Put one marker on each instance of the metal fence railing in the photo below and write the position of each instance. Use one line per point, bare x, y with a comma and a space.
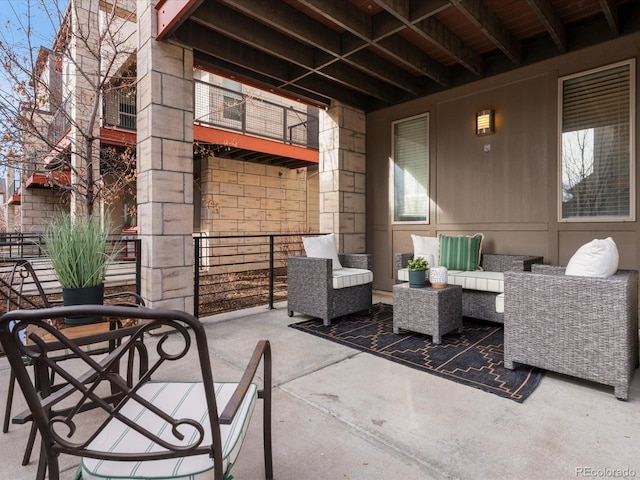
241, 271
230, 272
123, 272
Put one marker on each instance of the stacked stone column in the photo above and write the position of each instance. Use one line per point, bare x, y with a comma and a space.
165, 166
342, 176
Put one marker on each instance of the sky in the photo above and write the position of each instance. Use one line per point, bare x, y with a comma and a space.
17, 15
15, 18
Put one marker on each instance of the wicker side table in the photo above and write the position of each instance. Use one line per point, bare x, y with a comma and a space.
431, 311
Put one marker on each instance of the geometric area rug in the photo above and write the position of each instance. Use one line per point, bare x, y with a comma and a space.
473, 357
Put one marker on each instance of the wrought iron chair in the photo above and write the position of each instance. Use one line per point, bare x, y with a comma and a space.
125, 425
21, 288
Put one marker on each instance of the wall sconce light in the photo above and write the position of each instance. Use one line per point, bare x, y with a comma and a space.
484, 122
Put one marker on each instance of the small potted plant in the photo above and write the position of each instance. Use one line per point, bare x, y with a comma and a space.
77, 248
417, 267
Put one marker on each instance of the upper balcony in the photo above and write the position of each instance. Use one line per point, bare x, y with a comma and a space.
228, 123
242, 126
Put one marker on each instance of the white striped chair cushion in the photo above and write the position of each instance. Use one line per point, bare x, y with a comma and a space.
350, 277
478, 280
180, 400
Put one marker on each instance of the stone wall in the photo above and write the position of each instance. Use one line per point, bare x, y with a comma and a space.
37, 208
250, 198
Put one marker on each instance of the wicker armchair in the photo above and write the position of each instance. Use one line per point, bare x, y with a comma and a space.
310, 287
580, 326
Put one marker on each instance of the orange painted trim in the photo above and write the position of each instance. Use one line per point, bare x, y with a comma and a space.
44, 179
171, 12
15, 200
238, 140
118, 137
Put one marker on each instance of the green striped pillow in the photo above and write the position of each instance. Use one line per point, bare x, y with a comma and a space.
462, 252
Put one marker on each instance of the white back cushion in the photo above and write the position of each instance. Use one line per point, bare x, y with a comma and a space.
598, 258
426, 247
323, 246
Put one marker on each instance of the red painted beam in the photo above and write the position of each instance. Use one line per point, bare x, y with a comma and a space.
238, 140
118, 137
171, 13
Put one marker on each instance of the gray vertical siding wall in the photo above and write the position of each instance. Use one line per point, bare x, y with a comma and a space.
510, 193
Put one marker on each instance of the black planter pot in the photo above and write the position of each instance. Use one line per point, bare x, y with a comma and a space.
83, 296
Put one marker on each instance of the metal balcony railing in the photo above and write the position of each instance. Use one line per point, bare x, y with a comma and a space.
119, 109
220, 107
59, 124
14, 188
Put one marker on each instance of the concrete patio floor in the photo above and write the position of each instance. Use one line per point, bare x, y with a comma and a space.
339, 414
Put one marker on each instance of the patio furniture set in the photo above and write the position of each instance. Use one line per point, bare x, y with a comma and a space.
580, 320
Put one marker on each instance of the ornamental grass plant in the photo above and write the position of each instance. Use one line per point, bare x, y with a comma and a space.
77, 247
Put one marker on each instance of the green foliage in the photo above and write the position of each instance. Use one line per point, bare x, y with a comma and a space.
417, 264
77, 247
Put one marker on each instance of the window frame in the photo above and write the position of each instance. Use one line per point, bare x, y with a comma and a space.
631, 217
392, 163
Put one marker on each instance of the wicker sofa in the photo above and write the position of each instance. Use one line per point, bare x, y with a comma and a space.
481, 303
585, 327
312, 286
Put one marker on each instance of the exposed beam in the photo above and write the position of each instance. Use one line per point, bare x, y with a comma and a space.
549, 18
284, 19
270, 42
443, 38
359, 24
435, 32
490, 24
610, 11
400, 49
173, 13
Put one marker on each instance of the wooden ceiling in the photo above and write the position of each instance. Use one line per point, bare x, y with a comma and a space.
374, 53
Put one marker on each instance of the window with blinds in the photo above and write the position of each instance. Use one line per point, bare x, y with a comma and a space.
410, 164
596, 145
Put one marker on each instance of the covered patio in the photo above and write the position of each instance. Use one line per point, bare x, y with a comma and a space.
342, 414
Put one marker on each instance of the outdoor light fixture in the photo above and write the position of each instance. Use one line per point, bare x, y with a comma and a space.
484, 123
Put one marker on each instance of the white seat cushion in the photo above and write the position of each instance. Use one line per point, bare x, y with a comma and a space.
350, 277
180, 400
500, 303
478, 280
403, 275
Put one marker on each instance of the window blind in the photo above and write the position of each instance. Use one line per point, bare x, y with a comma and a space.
410, 169
596, 156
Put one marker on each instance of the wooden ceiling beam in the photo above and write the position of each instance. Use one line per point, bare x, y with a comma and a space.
274, 44
487, 21
549, 18
284, 19
435, 32
610, 11
359, 24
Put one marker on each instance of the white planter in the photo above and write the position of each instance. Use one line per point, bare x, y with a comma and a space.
438, 277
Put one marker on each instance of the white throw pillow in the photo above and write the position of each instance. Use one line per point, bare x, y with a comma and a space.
598, 258
426, 247
323, 246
